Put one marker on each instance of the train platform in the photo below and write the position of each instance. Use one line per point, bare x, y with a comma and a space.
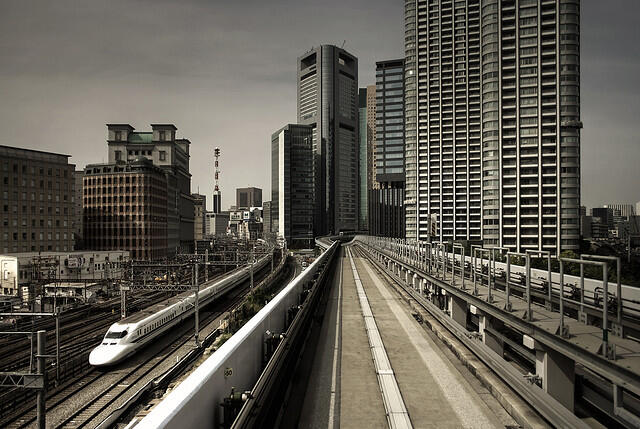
376, 366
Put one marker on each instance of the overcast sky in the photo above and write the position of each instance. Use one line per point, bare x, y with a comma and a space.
224, 73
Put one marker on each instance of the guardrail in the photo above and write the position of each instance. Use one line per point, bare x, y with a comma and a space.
168, 376
236, 365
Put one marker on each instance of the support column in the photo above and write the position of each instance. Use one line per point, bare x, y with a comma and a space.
558, 375
458, 309
488, 326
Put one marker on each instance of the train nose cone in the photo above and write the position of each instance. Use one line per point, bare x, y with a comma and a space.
106, 355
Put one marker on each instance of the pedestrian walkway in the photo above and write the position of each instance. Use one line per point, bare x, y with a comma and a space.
349, 387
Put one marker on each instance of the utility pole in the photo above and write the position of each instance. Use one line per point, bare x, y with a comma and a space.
41, 368
197, 292
251, 268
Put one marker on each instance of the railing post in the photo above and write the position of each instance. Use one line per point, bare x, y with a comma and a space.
605, 312
507, 288
528, 280
561, 297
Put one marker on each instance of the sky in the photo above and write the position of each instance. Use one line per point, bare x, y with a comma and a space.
224, 72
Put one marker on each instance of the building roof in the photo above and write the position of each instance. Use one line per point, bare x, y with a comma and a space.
11, 148
115, 126
171, 126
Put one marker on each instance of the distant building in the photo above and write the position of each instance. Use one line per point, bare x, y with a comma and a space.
37, 201
386, 203
171, 154
199, 209
246, 224
216, 224
328, 102
78, 242
248, 197
292, 190
599, 228
125, 208
624, 210
605, 215
217, 202
22, 272
267, 228
77, 265
586, 225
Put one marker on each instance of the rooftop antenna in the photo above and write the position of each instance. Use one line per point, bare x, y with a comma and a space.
216, 154
343, 43
217, 198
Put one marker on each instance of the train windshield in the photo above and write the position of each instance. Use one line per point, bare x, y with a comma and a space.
115, 334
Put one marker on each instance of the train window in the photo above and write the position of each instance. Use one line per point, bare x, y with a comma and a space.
116, 334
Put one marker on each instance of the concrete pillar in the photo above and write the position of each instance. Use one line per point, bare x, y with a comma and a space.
558, 375
407, 276
415, 281
458, 309
488, 326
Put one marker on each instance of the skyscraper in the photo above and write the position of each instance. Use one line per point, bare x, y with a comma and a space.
292, 202
386, 206
443, 118
498, 85
327, 101
364, 150
371, 137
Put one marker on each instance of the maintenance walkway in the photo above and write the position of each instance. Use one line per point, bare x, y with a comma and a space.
376, 366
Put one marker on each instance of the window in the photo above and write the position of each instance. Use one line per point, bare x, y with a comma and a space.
118, 155
163, 136
163, 155
118, 136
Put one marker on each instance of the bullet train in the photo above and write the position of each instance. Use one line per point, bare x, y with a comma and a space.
128, 335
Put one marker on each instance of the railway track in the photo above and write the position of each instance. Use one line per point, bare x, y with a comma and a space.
120, 380
74, 350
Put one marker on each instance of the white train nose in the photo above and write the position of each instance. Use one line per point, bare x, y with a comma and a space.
108, 355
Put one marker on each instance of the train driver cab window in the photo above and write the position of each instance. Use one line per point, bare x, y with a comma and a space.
116, 334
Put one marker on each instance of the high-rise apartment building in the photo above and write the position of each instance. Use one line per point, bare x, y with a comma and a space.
171, 154
248, 197
363, 159
125, 207
386, 206
443, 149
37, 207
497, 83
292, 187
328, 102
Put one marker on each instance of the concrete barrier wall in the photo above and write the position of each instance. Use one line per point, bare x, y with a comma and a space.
195, 403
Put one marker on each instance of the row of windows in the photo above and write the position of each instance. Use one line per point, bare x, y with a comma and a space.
32, 170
